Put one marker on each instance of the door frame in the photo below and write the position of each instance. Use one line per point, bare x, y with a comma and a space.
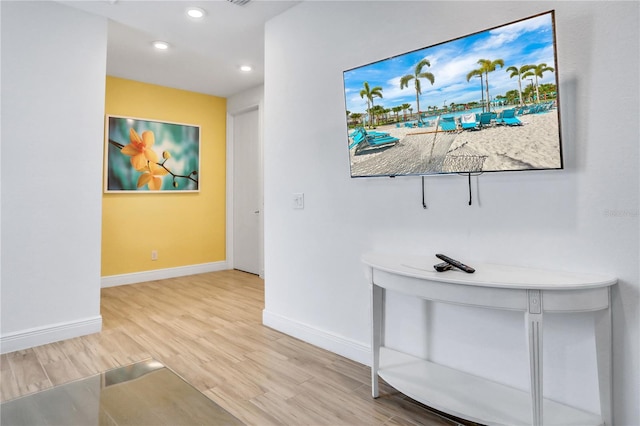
229, 247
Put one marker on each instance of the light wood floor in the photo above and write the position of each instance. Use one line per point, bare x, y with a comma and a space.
208, 329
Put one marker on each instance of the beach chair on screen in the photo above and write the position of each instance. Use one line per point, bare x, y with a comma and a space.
372, 133
485, 119
382, 141
376, 135
359, 135
545, 107
509, 118
370, 144
532, 109
361, 138
469, 122
356, 138
447, 124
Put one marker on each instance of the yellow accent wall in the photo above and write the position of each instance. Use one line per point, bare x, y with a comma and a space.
185, 228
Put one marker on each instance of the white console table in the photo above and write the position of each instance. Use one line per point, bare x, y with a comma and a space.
531, 291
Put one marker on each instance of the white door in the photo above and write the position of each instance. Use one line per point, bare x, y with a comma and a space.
247, 194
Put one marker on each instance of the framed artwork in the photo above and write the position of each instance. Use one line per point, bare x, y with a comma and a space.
150, 156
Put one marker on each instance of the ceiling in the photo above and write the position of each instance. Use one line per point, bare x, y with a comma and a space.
204, 55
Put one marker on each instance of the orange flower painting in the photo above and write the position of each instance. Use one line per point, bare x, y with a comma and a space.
151, 156
140, 149
152, 177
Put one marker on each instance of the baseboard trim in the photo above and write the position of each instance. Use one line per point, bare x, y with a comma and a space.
52, 333
162, 274
337, 344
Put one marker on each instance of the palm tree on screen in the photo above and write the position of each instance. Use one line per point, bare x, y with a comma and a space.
416, 76
519, 72
355, 116
405, 107
376, 111
537, 71
397, 109
478, 73
370, 93
486, 66
547, 89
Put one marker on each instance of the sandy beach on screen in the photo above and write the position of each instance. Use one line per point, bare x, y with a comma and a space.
533, 145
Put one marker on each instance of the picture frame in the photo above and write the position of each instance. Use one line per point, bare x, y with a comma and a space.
150, 156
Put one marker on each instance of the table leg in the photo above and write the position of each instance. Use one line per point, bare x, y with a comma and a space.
533, 319
604, 346
376, 329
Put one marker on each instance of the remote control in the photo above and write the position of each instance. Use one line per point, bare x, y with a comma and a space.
455, 263
444, 266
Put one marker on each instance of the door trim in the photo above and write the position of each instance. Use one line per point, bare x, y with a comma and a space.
229, 246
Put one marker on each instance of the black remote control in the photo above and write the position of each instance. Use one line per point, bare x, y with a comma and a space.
444, 266
455, 263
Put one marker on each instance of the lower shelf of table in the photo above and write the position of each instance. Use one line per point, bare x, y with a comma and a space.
471, 397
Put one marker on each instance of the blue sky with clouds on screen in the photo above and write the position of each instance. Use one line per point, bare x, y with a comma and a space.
525, 42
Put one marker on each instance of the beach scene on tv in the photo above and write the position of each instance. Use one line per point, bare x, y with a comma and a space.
483, 102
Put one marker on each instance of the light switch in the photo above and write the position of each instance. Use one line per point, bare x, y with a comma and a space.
298, 200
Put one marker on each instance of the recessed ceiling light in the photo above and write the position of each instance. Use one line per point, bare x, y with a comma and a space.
161, 45
196, 12
245, 68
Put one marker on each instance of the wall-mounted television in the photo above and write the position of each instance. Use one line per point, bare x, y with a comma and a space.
483, 102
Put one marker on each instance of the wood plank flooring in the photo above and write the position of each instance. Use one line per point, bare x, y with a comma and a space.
208, 329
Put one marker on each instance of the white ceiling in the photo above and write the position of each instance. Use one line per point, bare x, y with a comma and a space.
205, 55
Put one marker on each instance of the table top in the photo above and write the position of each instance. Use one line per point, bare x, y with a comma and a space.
486, 275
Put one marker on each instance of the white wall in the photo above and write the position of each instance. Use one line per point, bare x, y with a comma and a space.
53, 82
583, 218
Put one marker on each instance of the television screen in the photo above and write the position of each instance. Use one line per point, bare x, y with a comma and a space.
484, 102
